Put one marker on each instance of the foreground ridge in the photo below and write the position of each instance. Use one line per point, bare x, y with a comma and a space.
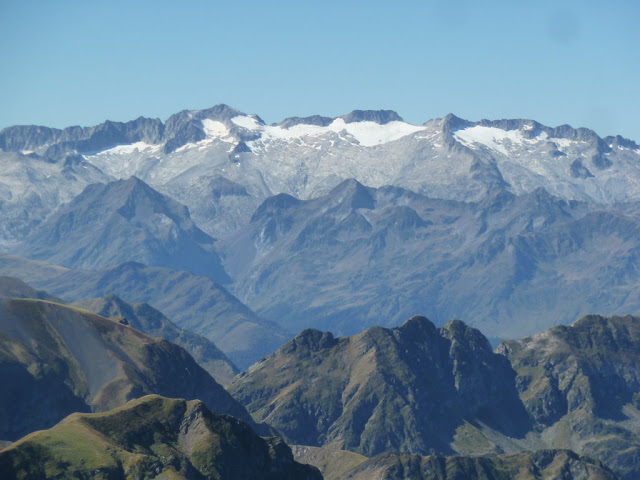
149, 437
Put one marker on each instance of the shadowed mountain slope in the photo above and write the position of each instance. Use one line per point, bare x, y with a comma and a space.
55, 360
580, 385
152, 437
420, 389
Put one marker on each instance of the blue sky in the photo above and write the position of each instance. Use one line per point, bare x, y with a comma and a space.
81, 62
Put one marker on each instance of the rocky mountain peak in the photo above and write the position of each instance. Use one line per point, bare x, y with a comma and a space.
344, 392
317, 120
274, 205
165, 234
187, 126
353, 194
220, 112
307, 341
458, 331
451, 123
381, 117
417, 326
618, 141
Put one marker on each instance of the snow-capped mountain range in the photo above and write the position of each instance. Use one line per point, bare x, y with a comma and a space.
222, 163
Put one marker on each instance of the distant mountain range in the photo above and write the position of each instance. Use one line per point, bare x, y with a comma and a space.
222, 163
511, 265
125, 220
332, 223
214, 243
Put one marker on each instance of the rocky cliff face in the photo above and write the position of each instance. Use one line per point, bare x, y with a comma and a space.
405, 389
55, 360
580, 385
152, 437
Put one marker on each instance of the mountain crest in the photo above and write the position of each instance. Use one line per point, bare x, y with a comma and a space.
309, 340
344, 393
418, 324
381, 117
317, 120
353, 194
274, 205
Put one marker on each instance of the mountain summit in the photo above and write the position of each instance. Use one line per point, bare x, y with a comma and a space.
404, 389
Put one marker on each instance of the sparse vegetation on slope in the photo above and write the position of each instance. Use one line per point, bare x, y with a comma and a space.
404, 389
580, 385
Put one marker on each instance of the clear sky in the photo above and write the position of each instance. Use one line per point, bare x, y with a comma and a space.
81, 62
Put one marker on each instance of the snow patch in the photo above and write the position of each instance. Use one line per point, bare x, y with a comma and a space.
563, 142
492, 137
245, 121
368, 134
201, 145
134, 147
619, 147
214, 129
